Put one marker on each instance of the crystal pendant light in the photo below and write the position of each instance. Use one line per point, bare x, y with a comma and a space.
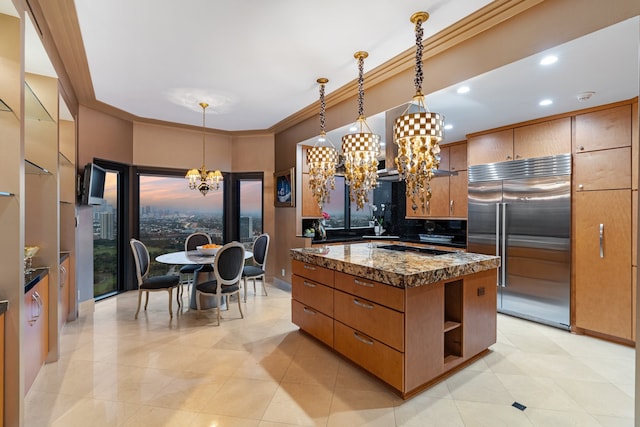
417, 133
361, 149
322, 159
202, 179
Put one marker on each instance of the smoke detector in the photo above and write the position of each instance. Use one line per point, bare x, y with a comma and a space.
585, 96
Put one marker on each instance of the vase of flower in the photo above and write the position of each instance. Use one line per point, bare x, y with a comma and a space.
322, 232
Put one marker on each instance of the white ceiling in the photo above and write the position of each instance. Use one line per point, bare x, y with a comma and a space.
257, 62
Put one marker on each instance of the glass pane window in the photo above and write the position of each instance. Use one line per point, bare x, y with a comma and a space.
170, 211
250, 220
105, 239
335, 208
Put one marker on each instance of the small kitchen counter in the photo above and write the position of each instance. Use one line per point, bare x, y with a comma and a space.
33, 278
399, 269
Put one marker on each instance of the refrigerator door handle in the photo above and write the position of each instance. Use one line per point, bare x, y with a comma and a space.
504, 245
601, 239
498, 241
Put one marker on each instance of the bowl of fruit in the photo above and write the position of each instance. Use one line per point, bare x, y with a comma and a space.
209, 249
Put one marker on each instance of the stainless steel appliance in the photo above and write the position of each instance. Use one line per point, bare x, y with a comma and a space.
521, 211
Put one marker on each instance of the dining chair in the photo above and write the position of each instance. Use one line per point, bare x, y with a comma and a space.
148, 284
257, 270
192, 241
227, 269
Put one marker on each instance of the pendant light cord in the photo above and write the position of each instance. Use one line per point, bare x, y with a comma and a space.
360, 86
419, 75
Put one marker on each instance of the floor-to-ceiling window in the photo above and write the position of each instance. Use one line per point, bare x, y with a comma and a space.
169, 211
109, 221
250, 210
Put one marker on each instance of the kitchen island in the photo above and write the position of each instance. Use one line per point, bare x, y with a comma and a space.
409, 318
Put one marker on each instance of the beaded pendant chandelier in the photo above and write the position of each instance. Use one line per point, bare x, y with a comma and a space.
322, 159
417, 133
361, 150
202, 179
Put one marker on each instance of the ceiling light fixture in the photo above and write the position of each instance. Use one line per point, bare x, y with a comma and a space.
322, 159
202, 179
545, 102
417, 133
361, 149
463, 89
548, 60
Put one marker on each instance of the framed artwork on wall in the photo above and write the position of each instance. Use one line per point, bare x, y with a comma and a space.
285, 188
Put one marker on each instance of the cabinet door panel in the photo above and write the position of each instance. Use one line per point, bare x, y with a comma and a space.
444, 158
603, 129
382, 323
313, 272
603, 170
438, 206
458, 157
313, 294
542, 139
310, 205
458, 193
603, 264
312, 322
490, 148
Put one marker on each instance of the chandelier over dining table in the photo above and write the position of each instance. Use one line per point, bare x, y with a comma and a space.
202, 179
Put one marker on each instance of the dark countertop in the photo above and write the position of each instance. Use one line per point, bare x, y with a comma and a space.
4, 305
32, 279
407, 239
63, 256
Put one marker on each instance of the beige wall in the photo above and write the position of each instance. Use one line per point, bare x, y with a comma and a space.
103, 136
172, 147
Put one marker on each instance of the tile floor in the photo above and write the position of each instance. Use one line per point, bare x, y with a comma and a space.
261, 371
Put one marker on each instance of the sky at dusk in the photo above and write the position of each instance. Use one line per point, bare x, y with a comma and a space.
173, 193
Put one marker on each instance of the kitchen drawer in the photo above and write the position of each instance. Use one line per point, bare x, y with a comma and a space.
313, 272
377, 292
313, 322
377, 358
379, 322
313, 294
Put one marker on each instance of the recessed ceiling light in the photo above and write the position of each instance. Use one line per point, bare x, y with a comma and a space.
548, 60
463, 89
545, 102
353, 129
448, 127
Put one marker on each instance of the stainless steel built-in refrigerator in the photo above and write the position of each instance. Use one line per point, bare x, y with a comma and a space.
521, 211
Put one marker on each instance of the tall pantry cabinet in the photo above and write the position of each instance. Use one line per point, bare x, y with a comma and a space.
37, 208
602, 211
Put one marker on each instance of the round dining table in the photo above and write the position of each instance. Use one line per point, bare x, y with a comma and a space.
195, 257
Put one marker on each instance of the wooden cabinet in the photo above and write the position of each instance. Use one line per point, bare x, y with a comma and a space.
603, 262
548, 138
448, 193
310, 207
36, 334
603, 129
523, 142
602, 170
312, 300
407, 337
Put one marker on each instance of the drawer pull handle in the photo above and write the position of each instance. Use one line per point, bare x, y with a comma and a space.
309, 284
362, 339
361, 304
308, 310
309, 267
358, 282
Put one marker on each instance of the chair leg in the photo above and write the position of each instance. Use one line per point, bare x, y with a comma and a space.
146, 301
219, 298
170, 301
264, 285
244, 285
197, 300
240, 307
139, 299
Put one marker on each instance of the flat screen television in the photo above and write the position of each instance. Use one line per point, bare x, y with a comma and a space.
93, 184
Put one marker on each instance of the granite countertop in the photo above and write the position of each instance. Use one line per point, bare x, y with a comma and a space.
400, 269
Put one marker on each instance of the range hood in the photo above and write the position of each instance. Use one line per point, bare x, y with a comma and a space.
389, 172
